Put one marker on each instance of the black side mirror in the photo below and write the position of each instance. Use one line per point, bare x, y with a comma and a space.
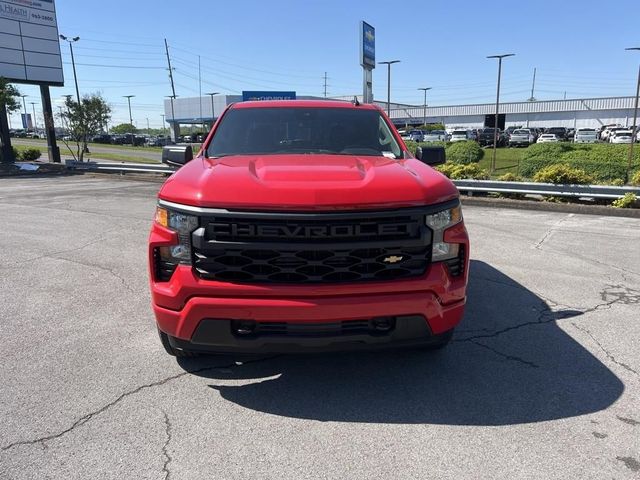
177, 154
431, 155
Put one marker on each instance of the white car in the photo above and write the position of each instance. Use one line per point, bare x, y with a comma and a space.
615, 131
585, 135
547, 138
621, 136
460, 136
435, 136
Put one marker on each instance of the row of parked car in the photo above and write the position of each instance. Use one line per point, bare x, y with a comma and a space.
517, 136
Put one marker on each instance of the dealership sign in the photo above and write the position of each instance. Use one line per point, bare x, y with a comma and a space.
29, 47
259, 96
367, 45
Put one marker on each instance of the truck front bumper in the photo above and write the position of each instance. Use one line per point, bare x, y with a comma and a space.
202, 315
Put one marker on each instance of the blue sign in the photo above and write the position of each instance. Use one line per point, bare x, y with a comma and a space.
251, 96
368, 43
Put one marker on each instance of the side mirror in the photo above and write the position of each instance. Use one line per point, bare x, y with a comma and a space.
431, 155
177, 154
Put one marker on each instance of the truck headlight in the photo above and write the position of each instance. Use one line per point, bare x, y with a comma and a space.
438, 223
184, 225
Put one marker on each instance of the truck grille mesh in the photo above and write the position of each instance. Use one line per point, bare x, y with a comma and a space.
313, 248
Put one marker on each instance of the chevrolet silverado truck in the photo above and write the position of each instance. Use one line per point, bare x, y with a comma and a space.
306, 226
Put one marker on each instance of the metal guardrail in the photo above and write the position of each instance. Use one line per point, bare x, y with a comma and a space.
470, 186
533, 188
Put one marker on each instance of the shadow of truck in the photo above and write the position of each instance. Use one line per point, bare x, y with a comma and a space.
509, 363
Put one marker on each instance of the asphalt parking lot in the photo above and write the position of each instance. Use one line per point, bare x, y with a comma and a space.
542, 380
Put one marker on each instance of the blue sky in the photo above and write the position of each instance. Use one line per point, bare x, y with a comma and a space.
577, 47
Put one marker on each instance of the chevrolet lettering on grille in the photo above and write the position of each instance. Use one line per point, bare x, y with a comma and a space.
306, 231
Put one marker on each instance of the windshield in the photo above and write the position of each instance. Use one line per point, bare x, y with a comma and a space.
460, 132
521, 132
436, 132
306, 130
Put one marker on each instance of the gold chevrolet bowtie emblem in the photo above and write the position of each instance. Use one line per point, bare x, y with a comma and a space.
392, 259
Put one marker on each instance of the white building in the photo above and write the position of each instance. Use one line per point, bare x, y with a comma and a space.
575, 113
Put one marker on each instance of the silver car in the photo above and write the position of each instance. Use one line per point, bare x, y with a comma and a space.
435, 136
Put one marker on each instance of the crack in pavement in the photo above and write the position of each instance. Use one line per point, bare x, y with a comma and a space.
506, 356
606, 352
620, 294
99, 267
547, 234
84, 419
165, 453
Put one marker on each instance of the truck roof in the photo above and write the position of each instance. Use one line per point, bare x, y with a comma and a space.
304, 104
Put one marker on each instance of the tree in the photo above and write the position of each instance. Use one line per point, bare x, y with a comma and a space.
124, 128
9, 102
85, 119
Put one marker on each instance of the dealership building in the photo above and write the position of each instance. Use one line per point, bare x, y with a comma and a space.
575, 113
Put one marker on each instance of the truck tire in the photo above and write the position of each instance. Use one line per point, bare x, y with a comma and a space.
174, 352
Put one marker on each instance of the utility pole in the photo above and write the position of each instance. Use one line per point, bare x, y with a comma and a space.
25, 124
388, 64
173, 88
424, 89
495, 126
533, 87
173, 117
129, 97
634, 128
148, 129
164, 128
325, 84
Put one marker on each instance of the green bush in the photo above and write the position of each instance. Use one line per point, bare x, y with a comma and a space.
431, 126
635, 178
458, 171
562, 173
464, 152
510, 177
604, 162
29, 154
625, 202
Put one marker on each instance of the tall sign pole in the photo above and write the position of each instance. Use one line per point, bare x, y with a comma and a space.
367, 59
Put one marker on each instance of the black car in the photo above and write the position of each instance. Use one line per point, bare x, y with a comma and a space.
101, 138
560, 132
485, 137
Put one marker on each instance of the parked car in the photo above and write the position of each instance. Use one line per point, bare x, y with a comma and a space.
585, 135
416, 136
435, 136
605, 131
613, 132
485, 137
521, 137
460, 136
570, 133
621, 136
102, 138
547, 138
559, 132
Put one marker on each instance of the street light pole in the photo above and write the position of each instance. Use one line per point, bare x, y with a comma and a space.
388, 64
495, 126
35, 121
424, 89
163, 126
71, 41
211, 94
634, 129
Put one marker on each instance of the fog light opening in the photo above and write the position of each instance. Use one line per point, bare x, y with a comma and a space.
382, 324
244, 327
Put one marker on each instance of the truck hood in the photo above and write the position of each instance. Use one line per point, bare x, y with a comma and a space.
306, 182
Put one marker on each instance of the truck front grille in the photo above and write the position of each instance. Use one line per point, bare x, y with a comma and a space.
312, 248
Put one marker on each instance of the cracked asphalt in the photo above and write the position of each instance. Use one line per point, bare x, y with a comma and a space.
541, 381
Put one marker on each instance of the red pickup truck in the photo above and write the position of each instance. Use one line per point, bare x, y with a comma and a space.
306, 226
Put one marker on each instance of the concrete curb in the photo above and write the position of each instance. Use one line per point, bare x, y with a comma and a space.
601, 210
